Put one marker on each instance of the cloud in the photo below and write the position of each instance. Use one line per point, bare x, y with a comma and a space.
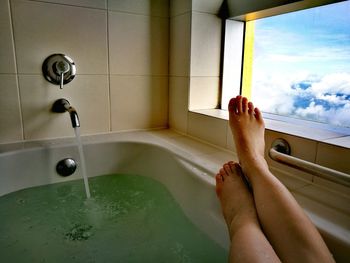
333, 116
322, 99
332, 84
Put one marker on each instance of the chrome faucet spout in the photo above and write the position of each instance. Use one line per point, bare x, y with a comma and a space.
74, 117
63, 105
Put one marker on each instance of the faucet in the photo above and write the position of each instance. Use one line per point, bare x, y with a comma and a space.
63, 105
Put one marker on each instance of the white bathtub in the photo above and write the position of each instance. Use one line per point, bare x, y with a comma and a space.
191, 185
184, 166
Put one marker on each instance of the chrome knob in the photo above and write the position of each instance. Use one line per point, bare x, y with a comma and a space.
66, 167
62, 67
59, 69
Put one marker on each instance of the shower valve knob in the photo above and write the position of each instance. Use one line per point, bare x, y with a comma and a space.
59, 69
62, 67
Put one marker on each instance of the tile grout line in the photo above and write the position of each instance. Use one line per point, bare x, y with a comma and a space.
10, 9
109, 72
69, 5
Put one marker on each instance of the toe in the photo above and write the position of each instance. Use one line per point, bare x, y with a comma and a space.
245, 105
218, 178
223, 173
219, 184
250, 108
236, 168
258, 114
239, 104
231, 105
227, 169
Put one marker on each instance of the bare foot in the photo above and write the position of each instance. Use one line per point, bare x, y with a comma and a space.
247, 126
236, 201
248, 242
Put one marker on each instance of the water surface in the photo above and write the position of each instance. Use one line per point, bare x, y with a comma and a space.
128, 219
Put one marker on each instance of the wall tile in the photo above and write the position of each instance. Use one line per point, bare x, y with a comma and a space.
10, 116
178, 103
100, 4
301, 148
87, 93
138, 44
178, 7
207, 6
144, 7
333, 157
204, 93
139, 102
7, 59
205, 45
207, 128
180, 45
77, 32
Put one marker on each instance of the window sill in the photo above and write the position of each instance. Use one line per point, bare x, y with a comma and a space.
301, 128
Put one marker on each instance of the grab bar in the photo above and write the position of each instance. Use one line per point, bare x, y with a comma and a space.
280, 152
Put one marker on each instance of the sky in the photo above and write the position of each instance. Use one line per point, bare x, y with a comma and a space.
301, 65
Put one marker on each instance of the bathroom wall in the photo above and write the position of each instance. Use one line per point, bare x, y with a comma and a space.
194, 73
120, 48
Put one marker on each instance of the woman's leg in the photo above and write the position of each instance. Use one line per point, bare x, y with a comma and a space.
290, 232
248, 243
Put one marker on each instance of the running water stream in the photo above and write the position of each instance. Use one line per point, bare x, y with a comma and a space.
82, 161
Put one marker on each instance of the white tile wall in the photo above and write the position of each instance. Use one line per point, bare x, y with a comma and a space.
130, 36
334, 157
139, 102
138, 44
179, 63
100, 4
205, 45
300, 148
180, 45
7, 59
42, 29
212, 130
178, 103
204, 93
145, 7
207, 6
178, 7
10, 118
91, 103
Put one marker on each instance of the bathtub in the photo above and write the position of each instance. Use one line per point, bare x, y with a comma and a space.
191, 185
185, 166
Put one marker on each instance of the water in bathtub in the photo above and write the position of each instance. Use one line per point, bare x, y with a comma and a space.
129, 219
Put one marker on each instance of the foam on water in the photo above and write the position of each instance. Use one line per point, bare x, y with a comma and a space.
129, 219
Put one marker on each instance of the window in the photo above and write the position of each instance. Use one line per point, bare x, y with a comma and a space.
298, 64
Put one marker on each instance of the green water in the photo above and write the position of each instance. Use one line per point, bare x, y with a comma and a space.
129, 219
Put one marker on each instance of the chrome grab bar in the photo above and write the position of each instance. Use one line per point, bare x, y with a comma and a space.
280, 152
